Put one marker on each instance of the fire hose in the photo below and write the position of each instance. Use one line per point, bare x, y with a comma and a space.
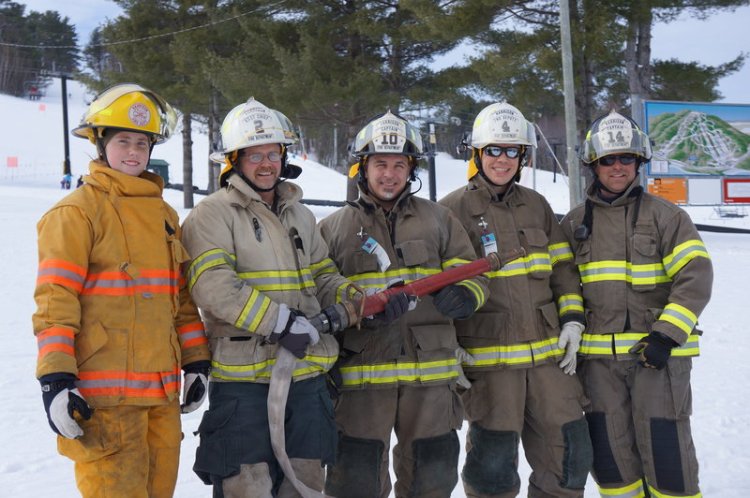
341, 316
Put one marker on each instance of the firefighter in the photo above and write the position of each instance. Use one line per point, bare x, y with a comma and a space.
398, 376
532, 321
646, 278
114, 322
259, 267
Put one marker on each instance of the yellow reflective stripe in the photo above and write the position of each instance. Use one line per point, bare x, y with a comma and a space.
253, 312
397, 372
322, 267
476, 291
560, 252
310, 364
621, 342
449, 263
515, 354
568, 303
206, 261
602, 271
683, 254
659, 494
680, 317
536, 262
634, 490
381, 280
278, 280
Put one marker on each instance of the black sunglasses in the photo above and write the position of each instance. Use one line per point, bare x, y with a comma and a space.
496, 151
625, 159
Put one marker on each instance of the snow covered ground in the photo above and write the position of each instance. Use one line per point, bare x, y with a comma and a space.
29, 463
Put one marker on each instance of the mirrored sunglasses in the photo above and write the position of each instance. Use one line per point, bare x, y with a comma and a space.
496, 151
257, 157
625, 159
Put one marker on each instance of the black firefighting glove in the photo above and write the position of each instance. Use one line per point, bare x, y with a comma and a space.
455, 301
293, 331
195, 386
654, 350
397, 305
61, 399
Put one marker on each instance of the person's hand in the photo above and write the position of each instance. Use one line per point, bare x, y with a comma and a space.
195, 386
293, 331
397, 305
455, 301
654, 350
61, 399
570, 341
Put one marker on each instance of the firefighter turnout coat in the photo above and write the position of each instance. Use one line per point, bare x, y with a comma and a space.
112, 307
375, 250
246, 260
643, 268
531, 296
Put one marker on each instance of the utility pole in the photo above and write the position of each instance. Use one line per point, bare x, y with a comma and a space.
571, 130
431, 162
66, 160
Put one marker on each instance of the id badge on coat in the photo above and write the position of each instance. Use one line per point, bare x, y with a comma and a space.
489, 243
372, 246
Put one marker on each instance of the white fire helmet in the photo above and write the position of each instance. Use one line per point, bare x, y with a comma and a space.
252, 123
501, 123
614, 133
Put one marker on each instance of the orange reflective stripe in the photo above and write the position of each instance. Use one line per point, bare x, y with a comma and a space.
55, 339
192, 334
60, 272
128, 384
122, 284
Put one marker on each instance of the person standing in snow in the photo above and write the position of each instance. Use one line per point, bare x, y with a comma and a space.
532, 321
646, 278
398, 372
259, 269
114, 321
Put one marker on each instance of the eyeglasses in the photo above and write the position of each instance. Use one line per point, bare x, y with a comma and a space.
624, 159
496, 151
257, 157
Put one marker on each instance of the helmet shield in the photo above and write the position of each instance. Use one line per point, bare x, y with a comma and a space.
388, 134
615, 134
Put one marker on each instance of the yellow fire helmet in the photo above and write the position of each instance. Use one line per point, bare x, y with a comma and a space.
499, 123
614, 133
128, 107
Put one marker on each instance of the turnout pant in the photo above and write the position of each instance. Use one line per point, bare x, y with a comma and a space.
235, 453
639, 420
127, 452
539, 406
425, 459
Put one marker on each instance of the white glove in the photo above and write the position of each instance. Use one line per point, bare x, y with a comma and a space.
299, 326
463, 357
60, 416
194, 390
570, 341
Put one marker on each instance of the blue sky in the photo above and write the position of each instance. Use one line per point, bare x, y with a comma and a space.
713, 41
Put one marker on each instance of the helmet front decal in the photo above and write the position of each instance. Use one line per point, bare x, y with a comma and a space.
615, 133
389, 135
139, 114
